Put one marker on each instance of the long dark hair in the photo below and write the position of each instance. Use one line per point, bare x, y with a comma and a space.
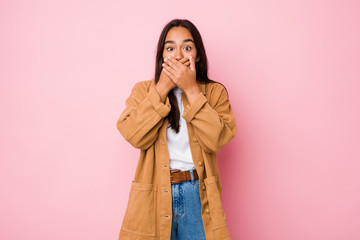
201, 66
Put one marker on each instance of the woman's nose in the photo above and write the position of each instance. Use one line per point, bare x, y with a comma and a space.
178, 55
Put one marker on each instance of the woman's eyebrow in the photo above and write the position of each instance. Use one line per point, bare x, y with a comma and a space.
186, 40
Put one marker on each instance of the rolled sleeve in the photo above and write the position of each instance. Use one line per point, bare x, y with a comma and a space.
161, 108
191, 110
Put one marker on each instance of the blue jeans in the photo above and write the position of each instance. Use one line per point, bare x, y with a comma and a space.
187, 223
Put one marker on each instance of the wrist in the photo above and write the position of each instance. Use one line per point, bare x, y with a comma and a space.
162, 91
194, 90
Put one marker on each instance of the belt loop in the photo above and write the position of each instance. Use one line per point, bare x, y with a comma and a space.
192, 176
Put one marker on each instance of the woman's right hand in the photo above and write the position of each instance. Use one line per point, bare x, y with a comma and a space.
165, 84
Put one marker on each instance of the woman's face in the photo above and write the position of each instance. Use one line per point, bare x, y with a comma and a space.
179, 43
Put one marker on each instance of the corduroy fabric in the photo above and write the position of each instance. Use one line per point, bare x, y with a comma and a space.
211, 124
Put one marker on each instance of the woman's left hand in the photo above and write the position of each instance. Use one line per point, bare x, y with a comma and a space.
183, 77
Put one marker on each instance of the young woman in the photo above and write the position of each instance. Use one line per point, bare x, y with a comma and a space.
179, 120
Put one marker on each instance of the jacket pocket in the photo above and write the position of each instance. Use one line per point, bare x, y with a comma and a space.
217, 214
140, 213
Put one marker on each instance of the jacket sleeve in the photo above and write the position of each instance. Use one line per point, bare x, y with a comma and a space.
143, 116
214, 125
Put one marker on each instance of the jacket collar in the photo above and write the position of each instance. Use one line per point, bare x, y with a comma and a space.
201, 86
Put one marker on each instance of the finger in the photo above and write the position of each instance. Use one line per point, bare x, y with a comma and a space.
169, 74
179, 64
192, 64
187, 63
184, 60
172, 63
169, 69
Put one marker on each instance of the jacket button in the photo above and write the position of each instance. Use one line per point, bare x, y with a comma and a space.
195, 139
200, 163
207, 211
203, 187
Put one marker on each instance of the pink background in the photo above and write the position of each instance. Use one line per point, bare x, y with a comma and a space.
292, 71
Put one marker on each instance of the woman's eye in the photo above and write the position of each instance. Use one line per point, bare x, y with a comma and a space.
171, 48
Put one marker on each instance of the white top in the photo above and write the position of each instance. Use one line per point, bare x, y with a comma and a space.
178, 143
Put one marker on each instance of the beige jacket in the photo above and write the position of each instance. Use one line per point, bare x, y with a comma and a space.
211, 125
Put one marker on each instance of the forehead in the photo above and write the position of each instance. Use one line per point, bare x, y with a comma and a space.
178, 35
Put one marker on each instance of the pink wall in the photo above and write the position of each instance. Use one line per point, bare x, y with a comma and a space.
292, 72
